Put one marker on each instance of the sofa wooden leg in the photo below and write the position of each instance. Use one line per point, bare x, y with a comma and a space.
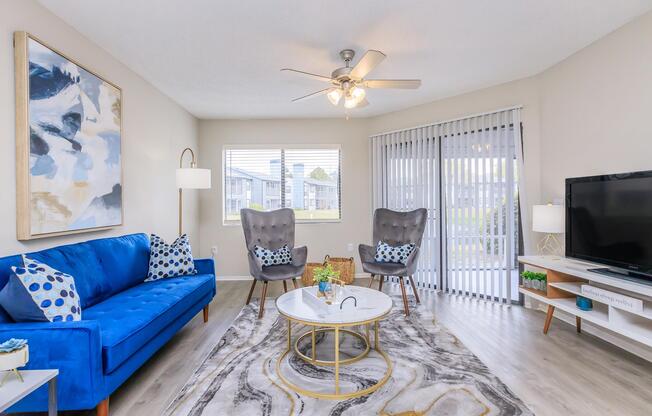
294, 282
103, 407
285, 286
205, 313
380, 283
261, 308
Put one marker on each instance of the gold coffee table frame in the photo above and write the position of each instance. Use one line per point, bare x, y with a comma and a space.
336, 328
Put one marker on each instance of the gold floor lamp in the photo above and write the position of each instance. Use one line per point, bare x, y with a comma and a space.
190, 178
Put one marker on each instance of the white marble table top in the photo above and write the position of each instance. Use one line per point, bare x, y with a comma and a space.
372, 304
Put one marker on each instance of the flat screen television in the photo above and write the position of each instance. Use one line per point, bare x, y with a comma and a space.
609, 221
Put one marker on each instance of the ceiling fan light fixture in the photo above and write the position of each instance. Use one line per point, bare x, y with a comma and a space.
335, 96
350, 102
358, 94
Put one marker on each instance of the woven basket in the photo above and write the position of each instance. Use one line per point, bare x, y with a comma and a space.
307, 276
345, 265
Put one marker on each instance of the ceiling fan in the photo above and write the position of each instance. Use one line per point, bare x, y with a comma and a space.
350, 82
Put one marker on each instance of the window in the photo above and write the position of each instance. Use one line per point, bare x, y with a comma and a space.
304, 179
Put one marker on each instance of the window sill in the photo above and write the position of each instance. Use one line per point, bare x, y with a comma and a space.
239, 224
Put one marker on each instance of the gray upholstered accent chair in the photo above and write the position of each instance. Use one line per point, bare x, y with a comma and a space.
395, 228
271, 230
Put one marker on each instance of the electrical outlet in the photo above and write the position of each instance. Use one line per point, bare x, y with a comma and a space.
349, 247
214, 251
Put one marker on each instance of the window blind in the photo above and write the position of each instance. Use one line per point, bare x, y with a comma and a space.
465, 172
304, 179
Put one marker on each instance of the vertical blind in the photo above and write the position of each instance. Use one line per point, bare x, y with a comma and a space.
466, 174
304, 179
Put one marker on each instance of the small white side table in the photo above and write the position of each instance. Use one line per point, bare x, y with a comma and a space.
12, 391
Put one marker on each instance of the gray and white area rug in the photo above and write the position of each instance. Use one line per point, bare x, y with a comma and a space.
433, 374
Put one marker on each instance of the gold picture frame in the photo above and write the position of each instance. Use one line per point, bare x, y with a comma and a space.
69, 134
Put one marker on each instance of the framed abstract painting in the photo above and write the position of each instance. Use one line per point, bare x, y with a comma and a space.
68, 144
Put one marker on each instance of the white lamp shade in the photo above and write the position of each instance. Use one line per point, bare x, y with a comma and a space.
193, 178
548, 219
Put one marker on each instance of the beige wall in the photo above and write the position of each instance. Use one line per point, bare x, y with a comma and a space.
155, 131
321, 239
596, 107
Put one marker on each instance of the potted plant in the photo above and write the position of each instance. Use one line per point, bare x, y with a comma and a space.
534, 280
323, 276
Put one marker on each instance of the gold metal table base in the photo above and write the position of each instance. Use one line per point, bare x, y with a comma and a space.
337, 362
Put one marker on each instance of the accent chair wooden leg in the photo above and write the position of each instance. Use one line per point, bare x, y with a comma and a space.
103, 407
578, 324
294, 282
285, 286
414, 289
261, 308
251, 291
371, 280
380, 282
405, 299
205, 313
546, 324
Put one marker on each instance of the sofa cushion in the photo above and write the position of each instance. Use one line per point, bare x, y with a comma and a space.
37, 292
129, 319
169, 260
124, 260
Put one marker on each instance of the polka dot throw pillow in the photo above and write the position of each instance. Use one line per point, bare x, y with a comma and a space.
37, 292
390, 254
170, 260
273, 257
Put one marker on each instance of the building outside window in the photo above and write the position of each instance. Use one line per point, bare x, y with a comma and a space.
304, 179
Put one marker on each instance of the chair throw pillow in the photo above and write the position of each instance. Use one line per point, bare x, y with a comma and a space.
276, 257
169, 260
37, 292
393, 254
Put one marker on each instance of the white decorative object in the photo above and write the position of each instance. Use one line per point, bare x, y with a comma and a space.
548, 219
12, 361
315, 299
617, 300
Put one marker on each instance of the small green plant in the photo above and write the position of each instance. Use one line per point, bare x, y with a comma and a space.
528, 275
323, 274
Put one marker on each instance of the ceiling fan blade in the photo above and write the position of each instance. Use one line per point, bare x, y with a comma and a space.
367, 63
311, 75
393, 83
314, 94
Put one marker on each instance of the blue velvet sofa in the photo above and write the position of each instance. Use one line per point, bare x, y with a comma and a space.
124, 320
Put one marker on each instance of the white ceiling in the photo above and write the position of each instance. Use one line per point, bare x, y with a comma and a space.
221, 59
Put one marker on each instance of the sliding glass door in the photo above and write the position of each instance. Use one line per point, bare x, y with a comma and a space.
465, 173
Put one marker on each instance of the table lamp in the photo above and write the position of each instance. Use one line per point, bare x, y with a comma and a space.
190, 178
548, 219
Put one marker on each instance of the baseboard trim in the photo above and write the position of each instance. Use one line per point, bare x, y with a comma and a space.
229, 278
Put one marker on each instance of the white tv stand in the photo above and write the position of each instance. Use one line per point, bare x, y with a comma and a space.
565, 277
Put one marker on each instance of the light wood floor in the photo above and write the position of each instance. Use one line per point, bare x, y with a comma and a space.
563, 373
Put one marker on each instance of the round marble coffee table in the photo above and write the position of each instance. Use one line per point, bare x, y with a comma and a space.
371, 306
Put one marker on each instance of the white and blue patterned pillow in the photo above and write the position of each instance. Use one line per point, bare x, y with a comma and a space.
276, 257
37, 292
390, 254
169, 260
